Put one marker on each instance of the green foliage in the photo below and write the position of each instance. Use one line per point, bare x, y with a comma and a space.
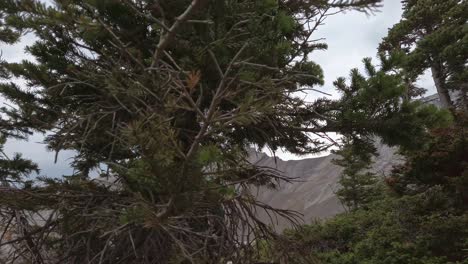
442, 161
421, 215
432, 34
209, 154
377, 104
14, 169
357, 183
413, 229
171, 96
285, 22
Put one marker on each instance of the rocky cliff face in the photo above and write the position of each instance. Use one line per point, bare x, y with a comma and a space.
313, 191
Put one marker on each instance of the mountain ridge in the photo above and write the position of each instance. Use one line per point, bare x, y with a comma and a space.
315, 180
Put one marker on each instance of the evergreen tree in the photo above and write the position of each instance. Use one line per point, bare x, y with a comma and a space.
432, 34
380, 90
169, 95
357, 183
421, 217
416, 215
440, 163
421, 214
396, 219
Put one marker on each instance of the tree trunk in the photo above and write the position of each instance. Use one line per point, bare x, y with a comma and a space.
444, 95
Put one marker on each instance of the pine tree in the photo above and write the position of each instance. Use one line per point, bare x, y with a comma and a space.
357, 182
440, 162
168, 96
380, 90
432, 34
380, 223
421, 216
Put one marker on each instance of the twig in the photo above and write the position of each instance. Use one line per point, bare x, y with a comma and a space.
169, 35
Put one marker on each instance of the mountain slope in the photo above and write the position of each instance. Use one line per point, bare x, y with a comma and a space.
312, 192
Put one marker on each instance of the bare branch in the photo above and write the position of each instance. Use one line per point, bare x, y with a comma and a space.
170, 34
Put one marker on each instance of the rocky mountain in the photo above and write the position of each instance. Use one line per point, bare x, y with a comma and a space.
312, 193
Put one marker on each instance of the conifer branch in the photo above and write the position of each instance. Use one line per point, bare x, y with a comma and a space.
167, 37
214, 103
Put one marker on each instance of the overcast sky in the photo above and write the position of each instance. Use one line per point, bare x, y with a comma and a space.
351, 37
